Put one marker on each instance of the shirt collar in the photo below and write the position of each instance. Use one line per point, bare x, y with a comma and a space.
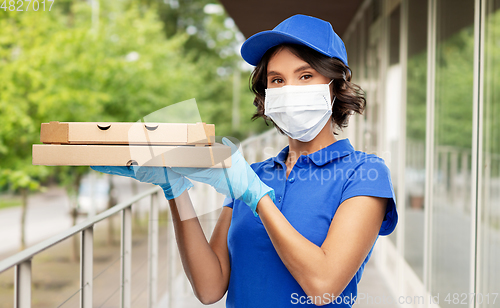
336, 150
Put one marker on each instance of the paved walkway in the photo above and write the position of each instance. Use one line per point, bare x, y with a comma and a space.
372, 291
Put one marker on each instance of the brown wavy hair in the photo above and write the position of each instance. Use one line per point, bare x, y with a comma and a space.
349, 96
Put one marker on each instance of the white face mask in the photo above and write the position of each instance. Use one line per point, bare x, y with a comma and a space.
301, 112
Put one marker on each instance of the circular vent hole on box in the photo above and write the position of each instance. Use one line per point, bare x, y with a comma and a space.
151, 127
104, 126
132, 163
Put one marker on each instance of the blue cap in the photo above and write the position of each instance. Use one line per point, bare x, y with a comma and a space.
298, 29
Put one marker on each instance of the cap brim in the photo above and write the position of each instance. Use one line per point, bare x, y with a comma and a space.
256, 46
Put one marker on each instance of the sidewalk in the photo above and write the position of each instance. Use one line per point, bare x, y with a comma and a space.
372, 289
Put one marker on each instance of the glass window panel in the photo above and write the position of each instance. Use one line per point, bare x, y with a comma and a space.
489, 253
374, 59
394, 28
393, 101
366, 22
416, 93
451, 222
353, 55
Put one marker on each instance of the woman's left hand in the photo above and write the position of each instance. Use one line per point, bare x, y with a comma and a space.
173, 184
238, 182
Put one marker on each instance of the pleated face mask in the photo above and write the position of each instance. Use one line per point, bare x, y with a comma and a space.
301, 112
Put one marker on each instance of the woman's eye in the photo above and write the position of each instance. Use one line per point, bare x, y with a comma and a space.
277, 80
305, 77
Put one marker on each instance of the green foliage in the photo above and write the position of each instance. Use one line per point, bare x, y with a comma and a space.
138, 58
454, 86
416, 97
491, 115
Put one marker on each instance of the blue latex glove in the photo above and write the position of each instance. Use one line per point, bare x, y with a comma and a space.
173, 184
238, 182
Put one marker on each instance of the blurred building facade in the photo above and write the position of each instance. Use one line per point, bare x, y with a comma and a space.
431, 73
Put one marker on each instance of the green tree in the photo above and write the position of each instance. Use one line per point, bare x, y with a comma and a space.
60, 66
454, 85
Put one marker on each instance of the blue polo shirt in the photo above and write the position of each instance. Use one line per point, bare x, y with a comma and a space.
308, 198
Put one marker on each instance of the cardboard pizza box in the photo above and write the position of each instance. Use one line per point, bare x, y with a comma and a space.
212, 156
127, 133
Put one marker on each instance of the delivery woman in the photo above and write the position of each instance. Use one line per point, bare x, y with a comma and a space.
298, 228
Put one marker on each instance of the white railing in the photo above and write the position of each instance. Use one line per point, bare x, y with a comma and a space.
22, 260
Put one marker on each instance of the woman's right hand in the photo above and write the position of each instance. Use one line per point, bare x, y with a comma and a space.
238, 181
172, 183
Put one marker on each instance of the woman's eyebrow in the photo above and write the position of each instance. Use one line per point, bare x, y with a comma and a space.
300, 69
272, 73
303, 68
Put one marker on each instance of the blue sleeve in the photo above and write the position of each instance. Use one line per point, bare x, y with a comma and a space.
228, 202
373, 178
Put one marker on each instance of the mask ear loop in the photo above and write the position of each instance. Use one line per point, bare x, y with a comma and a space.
334, 96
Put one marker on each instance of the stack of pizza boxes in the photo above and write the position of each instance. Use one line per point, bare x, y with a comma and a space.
125, 144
